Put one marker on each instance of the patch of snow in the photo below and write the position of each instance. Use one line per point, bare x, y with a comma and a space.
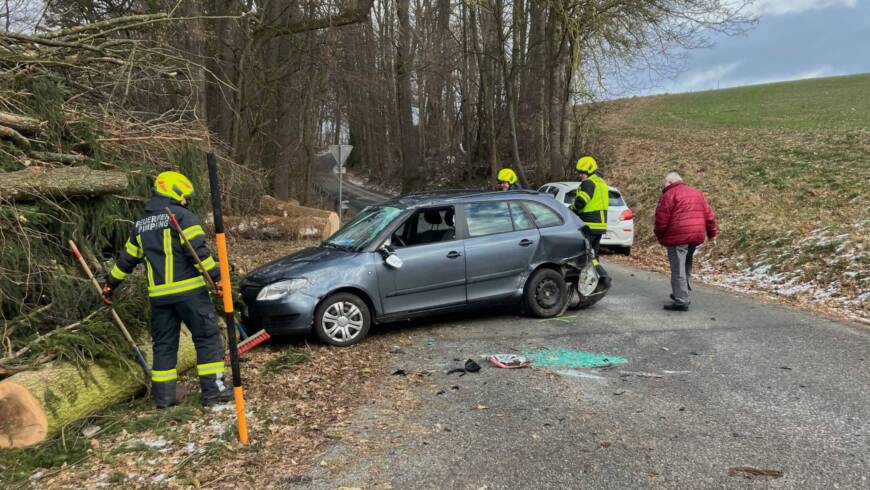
156, 444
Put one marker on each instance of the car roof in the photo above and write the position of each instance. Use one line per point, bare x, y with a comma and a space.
573, 185
429, 198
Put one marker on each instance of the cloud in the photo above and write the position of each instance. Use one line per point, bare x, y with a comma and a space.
725, 76
702, 79
784, 7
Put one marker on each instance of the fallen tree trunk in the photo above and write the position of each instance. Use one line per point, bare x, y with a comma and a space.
36, 404
65, 158
266, 227
287, 209
60, 182
22, 124
15, 137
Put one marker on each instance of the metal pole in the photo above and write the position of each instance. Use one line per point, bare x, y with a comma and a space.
340, 171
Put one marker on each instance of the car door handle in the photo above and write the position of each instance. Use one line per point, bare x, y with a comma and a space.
454, 255
525, 242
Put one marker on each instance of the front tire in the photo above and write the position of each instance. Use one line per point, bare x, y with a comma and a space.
342, 320
546, 293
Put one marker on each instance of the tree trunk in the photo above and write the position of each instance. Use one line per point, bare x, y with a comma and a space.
36, 404
22, 124
60, 182
267, 227
410, 164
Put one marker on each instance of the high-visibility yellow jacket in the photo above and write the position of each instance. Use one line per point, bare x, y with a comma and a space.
172, 273
591, 203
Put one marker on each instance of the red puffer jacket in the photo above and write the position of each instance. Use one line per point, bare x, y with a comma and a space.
684, 217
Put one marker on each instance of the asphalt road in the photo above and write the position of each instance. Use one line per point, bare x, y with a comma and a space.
357, 197
731, 384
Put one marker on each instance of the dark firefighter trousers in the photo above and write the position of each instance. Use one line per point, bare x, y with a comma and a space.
198, 314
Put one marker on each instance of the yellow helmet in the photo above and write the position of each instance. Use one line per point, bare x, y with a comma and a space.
507, 175
173, 185
587, 165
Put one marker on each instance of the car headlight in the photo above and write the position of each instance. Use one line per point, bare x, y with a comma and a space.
280, 289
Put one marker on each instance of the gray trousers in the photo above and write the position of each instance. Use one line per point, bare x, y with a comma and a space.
680, 257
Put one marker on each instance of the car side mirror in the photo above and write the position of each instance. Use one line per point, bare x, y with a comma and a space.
393, 261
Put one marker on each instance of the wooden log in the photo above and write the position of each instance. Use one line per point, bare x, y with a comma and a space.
65, 158
34, 182
22, 124
36, 404
277, 207
266, 227
15, 137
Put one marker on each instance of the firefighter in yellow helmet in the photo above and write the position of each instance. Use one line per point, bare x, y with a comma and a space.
507, 180
591, 203
176, 289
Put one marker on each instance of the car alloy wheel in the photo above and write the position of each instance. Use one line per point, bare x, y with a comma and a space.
342, 321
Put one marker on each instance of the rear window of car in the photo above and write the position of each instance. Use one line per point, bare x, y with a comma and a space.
570, 196
544, 216
616, 199
522, 221
488, 218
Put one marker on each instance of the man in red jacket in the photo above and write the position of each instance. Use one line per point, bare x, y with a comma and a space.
683, 220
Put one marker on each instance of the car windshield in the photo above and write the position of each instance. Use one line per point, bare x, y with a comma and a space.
364, 227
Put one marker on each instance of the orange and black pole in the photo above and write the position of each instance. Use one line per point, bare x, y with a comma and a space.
229, 315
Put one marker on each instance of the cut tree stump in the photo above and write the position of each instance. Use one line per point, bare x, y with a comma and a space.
22, 124
35, 182
36, 404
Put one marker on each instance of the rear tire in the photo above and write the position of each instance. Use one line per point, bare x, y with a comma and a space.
342, 320
546, 293
588, 282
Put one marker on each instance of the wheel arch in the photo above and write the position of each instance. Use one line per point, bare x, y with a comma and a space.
356, 291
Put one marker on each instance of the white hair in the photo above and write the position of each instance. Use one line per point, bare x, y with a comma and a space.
672, 177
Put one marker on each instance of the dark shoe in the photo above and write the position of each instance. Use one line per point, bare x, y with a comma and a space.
676, 307
164, 393
225, 396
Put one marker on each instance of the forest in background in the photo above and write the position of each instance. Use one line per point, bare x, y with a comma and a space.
424, 89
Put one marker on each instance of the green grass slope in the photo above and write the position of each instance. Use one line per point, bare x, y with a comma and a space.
786, 166
836, 102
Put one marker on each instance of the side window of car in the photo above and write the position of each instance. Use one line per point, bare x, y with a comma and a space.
521, 219
553, 191
488, 218
426, 226
544, 216
570, 196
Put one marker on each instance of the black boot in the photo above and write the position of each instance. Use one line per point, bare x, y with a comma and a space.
214, 391
676, 307
163, 393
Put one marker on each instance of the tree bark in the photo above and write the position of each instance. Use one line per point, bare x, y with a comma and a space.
410, 164
15, 137
267, 227
30, 183
36, 404
65, 158
22, 124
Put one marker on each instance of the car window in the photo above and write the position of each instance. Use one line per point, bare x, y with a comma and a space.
521, 219
616, 199
370, 222
553, 191
570, 196
488, 218
544, 189
544, 216
425, 226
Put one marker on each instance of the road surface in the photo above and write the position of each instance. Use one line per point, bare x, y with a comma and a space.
357, 197
732, 394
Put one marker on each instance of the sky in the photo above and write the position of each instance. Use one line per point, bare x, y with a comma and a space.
793, 39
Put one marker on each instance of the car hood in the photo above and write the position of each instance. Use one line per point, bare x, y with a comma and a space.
297, 264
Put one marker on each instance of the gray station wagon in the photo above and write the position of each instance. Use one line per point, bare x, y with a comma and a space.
428, 253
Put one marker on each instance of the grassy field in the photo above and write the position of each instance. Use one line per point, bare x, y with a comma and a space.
822, 103
786, 166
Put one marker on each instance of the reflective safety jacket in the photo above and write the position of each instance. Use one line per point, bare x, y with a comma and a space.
173, 275
591, 203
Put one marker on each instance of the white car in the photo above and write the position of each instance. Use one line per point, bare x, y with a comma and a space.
620, 219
